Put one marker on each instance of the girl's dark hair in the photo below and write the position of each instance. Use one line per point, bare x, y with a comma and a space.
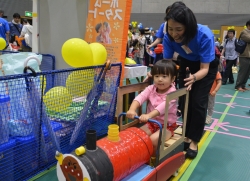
165, 67
182, 14
231, 30
106, 24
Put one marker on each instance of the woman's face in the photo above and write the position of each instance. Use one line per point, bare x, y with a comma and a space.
230, 35
176, 30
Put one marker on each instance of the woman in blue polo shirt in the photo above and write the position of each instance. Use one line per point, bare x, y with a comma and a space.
195, 45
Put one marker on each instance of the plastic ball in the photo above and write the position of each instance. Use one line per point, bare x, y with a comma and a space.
129, 61
79, 83
2, 43
57, 99
99, 53
77, 53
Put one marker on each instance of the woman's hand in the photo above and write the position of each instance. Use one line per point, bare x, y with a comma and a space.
190, 79
149, 75
131, 114
222, 57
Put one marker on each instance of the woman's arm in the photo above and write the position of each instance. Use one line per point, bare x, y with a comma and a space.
204, 67
157, 41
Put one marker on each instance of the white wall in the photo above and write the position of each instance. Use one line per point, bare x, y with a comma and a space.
197, 6
60, 20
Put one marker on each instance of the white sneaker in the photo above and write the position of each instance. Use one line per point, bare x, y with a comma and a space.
208, 120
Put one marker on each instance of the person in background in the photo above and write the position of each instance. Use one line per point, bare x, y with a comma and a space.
229, 54
197, 69
211, 99
4, 29
26, 33
217, 43
15, 27
244, 61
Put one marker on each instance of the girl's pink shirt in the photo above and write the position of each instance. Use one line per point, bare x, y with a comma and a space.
157, 102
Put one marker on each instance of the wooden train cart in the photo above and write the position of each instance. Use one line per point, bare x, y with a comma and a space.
169, 155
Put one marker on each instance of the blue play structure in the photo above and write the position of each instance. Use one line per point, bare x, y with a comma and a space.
51, 110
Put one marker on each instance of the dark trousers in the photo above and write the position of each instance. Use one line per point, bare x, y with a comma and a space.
243, 73
146, 58
198, 97
228, 72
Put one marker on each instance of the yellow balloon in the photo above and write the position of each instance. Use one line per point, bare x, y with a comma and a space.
99, 53
77, 53
57, 99
79, 83
129, 61
2, 43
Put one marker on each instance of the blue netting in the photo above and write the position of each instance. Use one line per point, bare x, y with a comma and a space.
50, 112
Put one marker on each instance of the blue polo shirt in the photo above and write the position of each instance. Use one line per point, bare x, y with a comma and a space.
4, 27
160, 33
202, 46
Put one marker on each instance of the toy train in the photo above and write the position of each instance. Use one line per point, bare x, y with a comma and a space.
122, 156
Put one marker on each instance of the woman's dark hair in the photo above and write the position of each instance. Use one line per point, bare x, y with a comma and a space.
182, 14
97, 27
177, 3
231, 30
25, 20
248, 23
165, 67
168, 9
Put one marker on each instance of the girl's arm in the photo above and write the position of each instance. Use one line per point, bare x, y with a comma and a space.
217, 88
145, 117
131, 113
138, 101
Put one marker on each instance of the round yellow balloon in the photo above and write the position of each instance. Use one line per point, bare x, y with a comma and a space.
99, 53
2, 43
77, 53
129, 61
57, 99
79, 83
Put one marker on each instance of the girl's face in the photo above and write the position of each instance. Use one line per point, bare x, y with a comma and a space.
104, 28
176, 30
163, 82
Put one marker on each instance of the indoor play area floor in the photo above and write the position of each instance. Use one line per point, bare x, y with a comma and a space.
224, 149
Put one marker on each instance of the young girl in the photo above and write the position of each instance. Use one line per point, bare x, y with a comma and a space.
105, 33
164, 73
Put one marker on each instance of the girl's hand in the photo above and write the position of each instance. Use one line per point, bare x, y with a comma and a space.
131, 114
213, 93
144, 118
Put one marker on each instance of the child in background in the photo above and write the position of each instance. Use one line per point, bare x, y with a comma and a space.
211, 98
105, 33
163, 73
